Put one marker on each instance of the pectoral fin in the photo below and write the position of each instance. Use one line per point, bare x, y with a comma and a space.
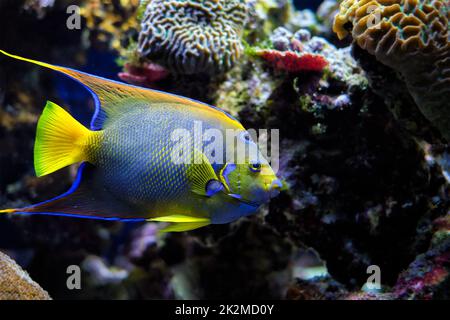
202, 177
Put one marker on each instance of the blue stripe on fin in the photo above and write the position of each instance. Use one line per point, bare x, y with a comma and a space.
86, 198
60, 214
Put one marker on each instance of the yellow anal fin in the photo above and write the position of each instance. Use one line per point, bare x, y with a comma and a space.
179, 218
60, 140
180, 223
183, 226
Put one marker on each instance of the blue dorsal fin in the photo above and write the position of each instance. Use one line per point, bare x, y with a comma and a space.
110, 96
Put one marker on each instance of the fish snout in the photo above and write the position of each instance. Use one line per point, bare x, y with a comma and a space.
275, 188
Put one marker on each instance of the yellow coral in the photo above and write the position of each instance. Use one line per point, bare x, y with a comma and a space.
395, 24
412, 37
113, 19
16, 284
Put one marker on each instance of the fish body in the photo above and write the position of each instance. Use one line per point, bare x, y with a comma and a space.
134, 166
137, 168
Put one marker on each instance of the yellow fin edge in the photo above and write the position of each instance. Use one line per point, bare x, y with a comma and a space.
183, 226
43, 64
8, 210
106, 91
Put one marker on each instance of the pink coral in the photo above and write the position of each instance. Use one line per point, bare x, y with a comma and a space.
293, 62
145, 75
429, 274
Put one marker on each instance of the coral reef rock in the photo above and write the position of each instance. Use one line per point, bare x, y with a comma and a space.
411, 37
109, 23
16, 284
195, 36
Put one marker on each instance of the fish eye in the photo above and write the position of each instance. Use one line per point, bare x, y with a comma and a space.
255, 166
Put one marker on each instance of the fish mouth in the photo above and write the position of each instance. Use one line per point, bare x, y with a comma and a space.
275, 188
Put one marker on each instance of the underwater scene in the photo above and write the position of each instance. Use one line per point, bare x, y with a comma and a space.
224, 149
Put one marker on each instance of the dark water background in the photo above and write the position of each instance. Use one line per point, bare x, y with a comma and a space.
312, 4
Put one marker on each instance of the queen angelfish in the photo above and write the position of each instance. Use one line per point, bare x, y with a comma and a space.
127, 170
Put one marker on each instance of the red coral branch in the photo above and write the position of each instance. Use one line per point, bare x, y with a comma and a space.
145, 75
294, 62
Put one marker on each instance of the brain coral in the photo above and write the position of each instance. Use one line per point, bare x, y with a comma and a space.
413, 38
193, 36
16, 284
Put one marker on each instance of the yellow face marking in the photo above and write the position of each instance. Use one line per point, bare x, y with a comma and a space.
222, 178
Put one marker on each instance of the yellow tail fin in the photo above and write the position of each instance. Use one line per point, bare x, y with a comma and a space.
60, 140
